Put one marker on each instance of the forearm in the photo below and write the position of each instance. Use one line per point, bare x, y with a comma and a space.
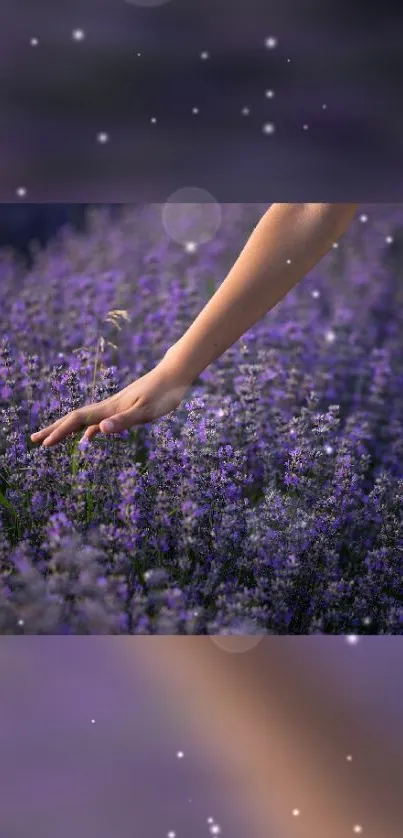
288, 241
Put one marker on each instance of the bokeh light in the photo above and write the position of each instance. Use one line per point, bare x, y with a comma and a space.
191, 214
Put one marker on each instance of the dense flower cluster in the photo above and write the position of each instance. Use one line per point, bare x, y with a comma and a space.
272, 499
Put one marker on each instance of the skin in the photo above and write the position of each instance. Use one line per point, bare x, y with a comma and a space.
287, 243
145, 400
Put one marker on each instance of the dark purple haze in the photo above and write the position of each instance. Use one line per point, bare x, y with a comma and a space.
336, 68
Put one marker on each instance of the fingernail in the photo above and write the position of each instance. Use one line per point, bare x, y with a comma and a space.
107, 425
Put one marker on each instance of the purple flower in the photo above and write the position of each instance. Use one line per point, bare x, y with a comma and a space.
271, 500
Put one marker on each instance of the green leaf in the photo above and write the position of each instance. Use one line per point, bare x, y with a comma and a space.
7, 504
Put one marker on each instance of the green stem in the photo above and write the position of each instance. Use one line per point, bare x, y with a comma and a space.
95, 370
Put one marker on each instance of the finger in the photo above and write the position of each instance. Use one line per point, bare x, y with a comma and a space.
122, 421
39, 436
92, 431
89, 410
79, 419
72, 423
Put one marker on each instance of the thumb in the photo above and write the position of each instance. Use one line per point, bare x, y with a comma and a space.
121, 421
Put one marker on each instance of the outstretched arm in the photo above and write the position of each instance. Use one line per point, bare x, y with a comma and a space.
288, 241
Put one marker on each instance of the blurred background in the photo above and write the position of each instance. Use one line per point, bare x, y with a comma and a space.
130, 100
22, 224
174, 737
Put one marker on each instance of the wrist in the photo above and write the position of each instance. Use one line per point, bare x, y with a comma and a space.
174, 361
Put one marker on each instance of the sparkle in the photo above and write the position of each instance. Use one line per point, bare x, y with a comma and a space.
316, 294
268, 128
389, 239
204, 55
305, 126
210, 820
363, 218
296, 812
270, 42
20, 622
171, 834
153, 120
195, 110
367, 621
357, 828
328, 449
139, 55
245, 111
103, 137
330, 336
215, 829
180, 754
352, 639
34, 42
335, 245
324, 107
92, 721
21, 192
78, 34
288, 261
269, 94
288, 60
190, 247
349, 758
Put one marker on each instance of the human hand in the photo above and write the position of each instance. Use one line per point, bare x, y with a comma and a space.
145, 400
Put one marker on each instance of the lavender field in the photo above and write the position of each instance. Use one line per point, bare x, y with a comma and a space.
270, 502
